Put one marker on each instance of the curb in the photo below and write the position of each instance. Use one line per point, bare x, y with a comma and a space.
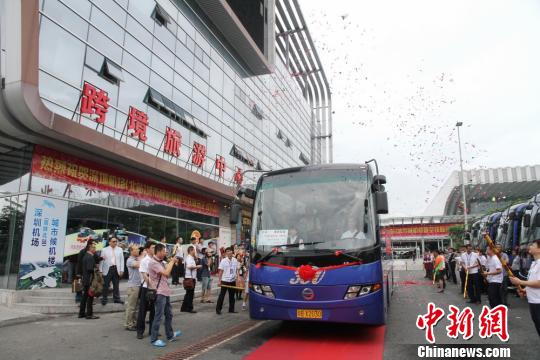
24, 320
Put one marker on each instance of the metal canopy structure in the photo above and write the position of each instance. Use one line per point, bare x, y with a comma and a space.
295, 47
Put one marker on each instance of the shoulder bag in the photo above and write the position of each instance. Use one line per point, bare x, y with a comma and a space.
151, 294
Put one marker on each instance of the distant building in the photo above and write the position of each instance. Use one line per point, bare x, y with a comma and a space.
486, 190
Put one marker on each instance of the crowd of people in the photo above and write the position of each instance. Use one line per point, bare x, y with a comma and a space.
482, 272
152, 272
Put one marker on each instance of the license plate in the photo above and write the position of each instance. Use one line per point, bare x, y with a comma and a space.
308, 314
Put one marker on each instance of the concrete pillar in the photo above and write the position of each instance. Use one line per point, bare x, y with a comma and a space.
422, 250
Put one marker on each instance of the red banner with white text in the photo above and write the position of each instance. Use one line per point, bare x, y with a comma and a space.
55, 165
417, 230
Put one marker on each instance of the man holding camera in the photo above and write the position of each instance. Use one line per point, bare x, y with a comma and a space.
159, 275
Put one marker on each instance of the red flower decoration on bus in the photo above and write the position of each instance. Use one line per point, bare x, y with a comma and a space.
306, 272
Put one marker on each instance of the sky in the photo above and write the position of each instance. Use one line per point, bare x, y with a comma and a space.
402, 73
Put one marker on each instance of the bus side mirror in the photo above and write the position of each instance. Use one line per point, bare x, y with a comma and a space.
537, 220
378, 182
236, 208
505, 228
381, 202
527, 220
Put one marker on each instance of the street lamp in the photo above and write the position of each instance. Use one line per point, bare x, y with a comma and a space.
458, 125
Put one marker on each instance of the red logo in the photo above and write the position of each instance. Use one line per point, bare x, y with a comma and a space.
494, 322
460, 323
429, 320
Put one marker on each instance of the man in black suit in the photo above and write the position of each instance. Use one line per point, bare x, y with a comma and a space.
88, 265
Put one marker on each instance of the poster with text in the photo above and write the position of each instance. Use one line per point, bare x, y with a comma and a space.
43, 243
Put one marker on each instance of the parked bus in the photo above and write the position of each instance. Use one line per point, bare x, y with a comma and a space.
531, 222
316, 246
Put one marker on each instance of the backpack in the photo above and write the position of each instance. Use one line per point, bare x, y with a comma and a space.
96, 286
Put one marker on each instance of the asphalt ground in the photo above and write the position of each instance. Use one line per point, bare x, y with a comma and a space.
207, 335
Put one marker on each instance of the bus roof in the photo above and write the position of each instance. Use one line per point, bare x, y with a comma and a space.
359, 167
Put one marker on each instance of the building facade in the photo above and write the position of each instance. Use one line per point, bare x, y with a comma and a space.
141, 117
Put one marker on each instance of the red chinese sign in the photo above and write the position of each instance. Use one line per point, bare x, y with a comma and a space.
238, 176
198, 156
416, 230
55, 165
94, 101
173, 140
220, 165
490, 322
138, 121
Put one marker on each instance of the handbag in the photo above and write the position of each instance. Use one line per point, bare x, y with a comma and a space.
188, 284
96, 286
151, 294
77, 285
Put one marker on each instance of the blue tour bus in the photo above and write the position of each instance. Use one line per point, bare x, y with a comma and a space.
316, 248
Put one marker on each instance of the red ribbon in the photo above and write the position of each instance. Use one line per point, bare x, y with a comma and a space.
319, 269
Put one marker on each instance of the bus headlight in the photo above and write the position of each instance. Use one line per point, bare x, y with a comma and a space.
355, 291
265, 290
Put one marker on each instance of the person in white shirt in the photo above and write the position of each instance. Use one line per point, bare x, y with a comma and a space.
112, 268
494, 276
471, 264
533, 284
504, 286
191, 273
145, 306
228, 268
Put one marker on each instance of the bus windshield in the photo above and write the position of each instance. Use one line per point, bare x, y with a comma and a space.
313, 210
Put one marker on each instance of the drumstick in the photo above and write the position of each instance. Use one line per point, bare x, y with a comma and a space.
466, 282
520, 290
232, 287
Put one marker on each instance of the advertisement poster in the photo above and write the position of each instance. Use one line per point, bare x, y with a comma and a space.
75, 242
225, 237
43, 243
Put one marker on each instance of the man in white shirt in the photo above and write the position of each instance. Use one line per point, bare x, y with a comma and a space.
494, 278
228, 268
532, 284
112, 268
145, 306
504, 286
191, 273
471, 264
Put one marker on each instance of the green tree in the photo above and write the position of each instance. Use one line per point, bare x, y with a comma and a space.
457, 233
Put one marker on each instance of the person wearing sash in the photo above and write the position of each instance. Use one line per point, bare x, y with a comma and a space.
439, 271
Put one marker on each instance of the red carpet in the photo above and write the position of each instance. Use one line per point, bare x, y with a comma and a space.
323, 341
